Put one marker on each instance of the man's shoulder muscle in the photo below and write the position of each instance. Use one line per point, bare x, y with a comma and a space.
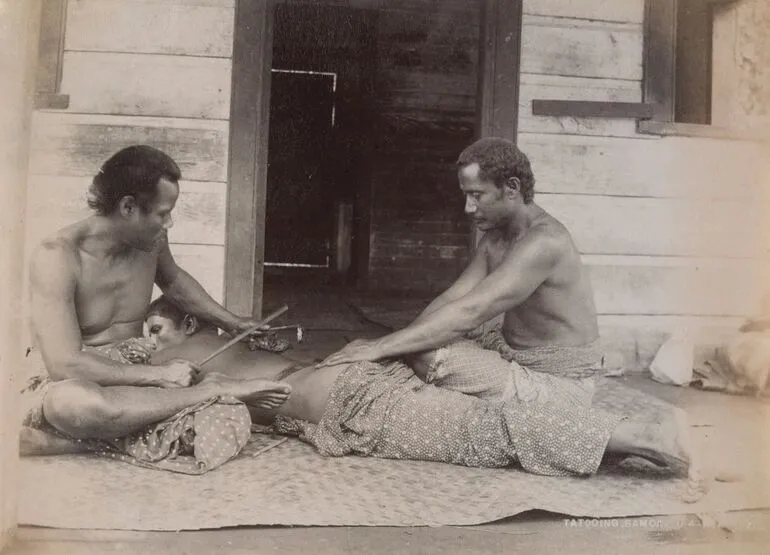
54, 263
551, 236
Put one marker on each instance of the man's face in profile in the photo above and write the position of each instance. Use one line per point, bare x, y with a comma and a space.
153, 221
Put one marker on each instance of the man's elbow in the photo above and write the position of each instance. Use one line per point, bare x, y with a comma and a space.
469, 318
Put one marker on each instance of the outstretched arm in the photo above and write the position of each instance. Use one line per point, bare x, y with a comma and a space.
55, 325
473, 274
526, 266
184, 290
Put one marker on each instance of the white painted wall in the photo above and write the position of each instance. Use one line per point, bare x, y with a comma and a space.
151, 72
673, 229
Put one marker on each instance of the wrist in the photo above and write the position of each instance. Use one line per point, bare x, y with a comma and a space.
230, 324
381, 348
146, 375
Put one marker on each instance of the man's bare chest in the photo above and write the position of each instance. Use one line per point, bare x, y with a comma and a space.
99, 277
114, 292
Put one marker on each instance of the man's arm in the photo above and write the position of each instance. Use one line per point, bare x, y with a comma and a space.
183, 289
53, 280
525, 267
473, 274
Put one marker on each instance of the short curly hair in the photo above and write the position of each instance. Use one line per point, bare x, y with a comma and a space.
165, 308
133, 171
499, 160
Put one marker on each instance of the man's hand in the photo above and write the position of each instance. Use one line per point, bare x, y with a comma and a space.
355, 351
177, 373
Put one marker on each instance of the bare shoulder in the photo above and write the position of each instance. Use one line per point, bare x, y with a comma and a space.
549, 237
54, 261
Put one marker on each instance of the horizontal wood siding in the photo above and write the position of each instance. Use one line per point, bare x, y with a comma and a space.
147, 85
673, 230
153, 72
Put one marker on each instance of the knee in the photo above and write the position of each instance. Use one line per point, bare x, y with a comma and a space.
79, 409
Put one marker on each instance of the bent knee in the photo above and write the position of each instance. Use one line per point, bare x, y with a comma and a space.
79, 409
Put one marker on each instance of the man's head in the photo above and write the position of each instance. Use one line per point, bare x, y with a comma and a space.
168, 325
138, 186
495, 177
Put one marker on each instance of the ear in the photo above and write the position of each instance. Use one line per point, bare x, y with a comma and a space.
127, 206
512, 185
191, 324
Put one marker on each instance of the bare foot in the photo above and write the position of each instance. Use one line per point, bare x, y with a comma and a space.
667, 442
33, 442
263, 394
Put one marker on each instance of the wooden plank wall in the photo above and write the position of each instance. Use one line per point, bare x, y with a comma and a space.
427, 61
151, 72
672, 229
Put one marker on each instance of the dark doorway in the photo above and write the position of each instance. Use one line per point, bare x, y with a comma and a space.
318, 182
300, 191
416, 81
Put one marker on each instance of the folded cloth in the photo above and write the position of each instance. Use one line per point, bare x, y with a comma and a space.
487, 367
267, 341
192, 441
578, 361
386, 411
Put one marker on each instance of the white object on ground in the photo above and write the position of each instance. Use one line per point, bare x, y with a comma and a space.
673, 364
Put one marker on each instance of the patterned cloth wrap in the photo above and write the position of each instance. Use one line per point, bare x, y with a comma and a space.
540, 418
267, 341
193, 441
485, 366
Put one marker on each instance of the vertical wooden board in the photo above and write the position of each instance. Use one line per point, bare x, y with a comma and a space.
500, 66
147, 85
206, 263
552, 87
77, 145
247, 158
723, 53
662, 227
670, 167
57, 201
150, 27
581, 49
624, 11
53, 20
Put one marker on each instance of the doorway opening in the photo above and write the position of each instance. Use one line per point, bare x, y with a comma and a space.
416, 82
300, 193
323, 63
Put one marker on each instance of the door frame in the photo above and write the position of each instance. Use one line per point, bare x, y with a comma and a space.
497, 109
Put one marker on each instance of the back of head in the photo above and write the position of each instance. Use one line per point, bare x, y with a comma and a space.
164, 308
499, 160
132, 171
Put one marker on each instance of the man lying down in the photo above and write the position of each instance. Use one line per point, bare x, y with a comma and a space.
386, 410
